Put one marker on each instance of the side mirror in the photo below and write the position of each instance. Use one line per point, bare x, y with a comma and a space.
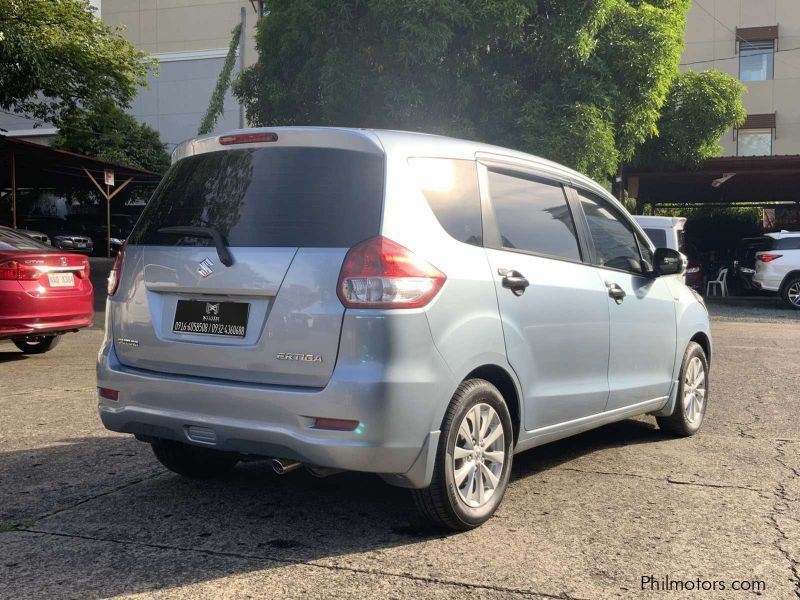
668, 262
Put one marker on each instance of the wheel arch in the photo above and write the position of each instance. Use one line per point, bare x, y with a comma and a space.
504, 382
705, 343
787, 278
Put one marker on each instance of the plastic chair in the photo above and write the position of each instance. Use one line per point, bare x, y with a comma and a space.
720, 282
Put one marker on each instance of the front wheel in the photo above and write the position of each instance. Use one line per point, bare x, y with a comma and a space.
791, 293
37, 345
473, 461
692, 400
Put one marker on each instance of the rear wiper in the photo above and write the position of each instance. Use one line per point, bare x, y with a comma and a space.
209, 232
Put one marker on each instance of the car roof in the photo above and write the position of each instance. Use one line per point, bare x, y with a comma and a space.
384, 141
782, 234
667, 222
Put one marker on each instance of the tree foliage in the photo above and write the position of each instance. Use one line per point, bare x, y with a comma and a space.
700, 108
582, 82
112, 134
56, 56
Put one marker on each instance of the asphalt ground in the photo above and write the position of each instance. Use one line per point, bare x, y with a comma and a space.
86, 513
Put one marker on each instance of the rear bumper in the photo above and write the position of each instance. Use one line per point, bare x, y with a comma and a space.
399, 417
24, 314
766, 283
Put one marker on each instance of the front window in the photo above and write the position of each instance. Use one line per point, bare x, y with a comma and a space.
755, 60
754, 142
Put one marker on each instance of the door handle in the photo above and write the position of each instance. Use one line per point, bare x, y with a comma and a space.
615, 292
514, 281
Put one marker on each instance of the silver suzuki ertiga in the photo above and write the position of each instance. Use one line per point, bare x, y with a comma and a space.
396, 303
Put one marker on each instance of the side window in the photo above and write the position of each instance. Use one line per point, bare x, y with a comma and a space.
533, 216
614, 240
451, 189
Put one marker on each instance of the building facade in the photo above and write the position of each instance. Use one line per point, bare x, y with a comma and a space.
190, 39
758, 42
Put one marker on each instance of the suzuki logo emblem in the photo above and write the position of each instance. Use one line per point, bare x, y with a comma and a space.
204, 268
64, 261
212, 309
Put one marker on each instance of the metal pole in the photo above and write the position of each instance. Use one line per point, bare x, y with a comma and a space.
13, 190
242, 38
108, 222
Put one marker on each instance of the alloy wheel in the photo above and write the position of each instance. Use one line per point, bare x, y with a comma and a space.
694, 390
794, 293
479, 455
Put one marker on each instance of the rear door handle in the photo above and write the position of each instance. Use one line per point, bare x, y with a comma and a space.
615, 292
514, 281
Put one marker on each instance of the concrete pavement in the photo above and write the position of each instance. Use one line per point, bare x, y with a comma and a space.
87, 513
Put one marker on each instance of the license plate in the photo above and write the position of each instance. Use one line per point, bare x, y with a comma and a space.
211, 318
61, 279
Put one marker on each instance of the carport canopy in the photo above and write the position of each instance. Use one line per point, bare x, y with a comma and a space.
744, 181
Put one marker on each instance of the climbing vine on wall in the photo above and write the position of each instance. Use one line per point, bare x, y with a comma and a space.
216, 104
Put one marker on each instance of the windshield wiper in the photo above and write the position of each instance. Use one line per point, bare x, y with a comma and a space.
209, 232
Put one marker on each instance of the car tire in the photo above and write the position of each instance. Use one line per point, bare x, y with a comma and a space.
40, 345
462, 505
790, 292
192, 461
692, 400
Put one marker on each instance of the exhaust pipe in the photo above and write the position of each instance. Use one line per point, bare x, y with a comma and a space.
282, 466
321, 471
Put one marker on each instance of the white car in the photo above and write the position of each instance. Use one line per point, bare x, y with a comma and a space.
664, 232
778, 266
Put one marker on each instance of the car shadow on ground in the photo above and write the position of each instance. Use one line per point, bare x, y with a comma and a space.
110, 489
9, 353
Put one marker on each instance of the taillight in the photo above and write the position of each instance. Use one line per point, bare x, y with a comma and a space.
378, 273
116, 271
767, 257
12, 270
84, 272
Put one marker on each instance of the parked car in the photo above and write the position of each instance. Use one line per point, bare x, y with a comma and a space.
403, 304
44, 292
668, 232
64, 235
778, 266
36, 235
742, 270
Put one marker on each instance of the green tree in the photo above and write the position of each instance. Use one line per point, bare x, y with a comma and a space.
112, 134
700, 108
56, 56
581, 82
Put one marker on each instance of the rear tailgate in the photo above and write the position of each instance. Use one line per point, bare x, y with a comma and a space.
288, 214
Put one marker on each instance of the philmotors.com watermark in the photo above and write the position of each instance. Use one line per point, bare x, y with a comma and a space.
667, 583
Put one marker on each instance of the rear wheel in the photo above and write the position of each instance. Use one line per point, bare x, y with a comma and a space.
473, 461
37, 345
192, 461
692, 400
791, 293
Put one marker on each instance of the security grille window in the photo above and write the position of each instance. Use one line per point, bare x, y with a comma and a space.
614, 240
533, 216
756, 60
451, 189
754, 142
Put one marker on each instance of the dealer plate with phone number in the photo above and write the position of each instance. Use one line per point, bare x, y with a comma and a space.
228, 319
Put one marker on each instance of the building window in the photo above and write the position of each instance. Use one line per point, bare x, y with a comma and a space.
755, 60
754, 142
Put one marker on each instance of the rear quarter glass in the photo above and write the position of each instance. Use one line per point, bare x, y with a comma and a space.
269, 197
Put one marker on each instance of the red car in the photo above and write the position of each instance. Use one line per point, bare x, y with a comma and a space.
44, 292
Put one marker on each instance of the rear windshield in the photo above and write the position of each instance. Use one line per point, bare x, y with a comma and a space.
787, 243
11, 240
312, 197
657, 236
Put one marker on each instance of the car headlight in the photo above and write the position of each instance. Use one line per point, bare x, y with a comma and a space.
116, 241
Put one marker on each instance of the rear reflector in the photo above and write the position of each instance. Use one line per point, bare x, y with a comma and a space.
335, 424
248, 138
767, 257
108, 394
